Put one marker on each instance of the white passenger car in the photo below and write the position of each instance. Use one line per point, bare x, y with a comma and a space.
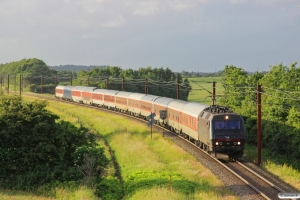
76, 93
190, 119
161, 103
134, 104
147, 104
97, 96
174, 114
110, 98
122, 101
86, 95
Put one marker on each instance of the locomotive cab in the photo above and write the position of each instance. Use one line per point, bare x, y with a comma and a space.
227, 134
221, 131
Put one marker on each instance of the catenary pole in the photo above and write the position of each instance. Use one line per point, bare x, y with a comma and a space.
258, 124
214, 93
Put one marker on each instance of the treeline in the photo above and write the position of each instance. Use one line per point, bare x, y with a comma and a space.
201, 74
280, 105
74, 68
38, 77
158, 81
32, 67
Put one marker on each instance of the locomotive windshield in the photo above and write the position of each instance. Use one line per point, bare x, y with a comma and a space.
230, 124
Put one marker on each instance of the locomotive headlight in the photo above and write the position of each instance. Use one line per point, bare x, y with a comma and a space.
239, 143
226, 117
217, 143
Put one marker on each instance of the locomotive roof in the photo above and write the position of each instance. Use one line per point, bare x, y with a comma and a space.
216, 109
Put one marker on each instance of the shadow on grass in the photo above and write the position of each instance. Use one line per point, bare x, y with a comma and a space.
141, 134
148, 179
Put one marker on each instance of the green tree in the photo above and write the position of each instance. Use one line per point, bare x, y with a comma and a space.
234, 82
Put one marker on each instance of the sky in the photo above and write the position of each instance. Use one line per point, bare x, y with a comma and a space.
184, 35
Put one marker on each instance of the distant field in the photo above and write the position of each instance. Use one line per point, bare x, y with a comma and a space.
201, 87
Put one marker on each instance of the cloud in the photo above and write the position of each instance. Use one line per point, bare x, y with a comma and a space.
238, 1
146, 8
160, 7
12, 6
116, 22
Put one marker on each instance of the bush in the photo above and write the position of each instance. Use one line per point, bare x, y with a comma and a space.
109, 189
35, 149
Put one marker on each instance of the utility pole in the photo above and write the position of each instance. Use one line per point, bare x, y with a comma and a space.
54, 81
30, 80
71, 79
21, 85
15, 83
177, 89
107, 83
146, 86
7, 83
214, 93
123, 84
258, 124
41, 84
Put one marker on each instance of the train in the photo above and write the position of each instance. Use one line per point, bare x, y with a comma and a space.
215, 129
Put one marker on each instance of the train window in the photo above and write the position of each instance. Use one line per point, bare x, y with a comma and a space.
232, 124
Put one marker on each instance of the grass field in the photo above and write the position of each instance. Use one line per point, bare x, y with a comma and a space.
202, 89
151, 168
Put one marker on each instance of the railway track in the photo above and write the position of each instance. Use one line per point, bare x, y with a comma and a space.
245, 182
261, 185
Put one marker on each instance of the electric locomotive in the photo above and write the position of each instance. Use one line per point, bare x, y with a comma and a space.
225, 131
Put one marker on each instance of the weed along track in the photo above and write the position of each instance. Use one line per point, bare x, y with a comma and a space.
238, 187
